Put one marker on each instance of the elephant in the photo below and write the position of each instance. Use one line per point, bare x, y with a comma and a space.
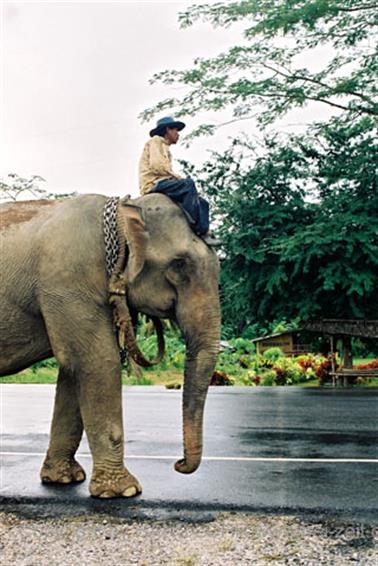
54, 300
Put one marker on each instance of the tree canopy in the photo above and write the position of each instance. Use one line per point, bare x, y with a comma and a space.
264, 77
288, 256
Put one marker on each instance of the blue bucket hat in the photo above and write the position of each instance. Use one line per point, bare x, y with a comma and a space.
167, 122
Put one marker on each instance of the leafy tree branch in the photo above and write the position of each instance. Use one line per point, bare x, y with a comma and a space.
262, 72
15, 187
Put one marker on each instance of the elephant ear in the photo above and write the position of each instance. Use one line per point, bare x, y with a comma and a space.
136, 239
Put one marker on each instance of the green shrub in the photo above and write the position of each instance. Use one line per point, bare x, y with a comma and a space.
288, 371
174, 350
231, 362
268, 378
242, 345
272, 354
48, 363
249, 378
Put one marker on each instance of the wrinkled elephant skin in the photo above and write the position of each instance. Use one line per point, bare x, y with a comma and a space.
54, 302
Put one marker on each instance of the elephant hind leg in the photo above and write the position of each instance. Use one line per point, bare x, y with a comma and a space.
60, 465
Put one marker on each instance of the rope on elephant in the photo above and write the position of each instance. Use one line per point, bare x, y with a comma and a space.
116, 254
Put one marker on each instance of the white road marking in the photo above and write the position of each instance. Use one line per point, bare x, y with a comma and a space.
221, 458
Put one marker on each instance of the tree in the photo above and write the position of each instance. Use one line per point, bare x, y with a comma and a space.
15, 187
263, 78
288, 256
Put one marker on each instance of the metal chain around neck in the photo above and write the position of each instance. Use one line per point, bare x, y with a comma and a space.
112, 246
110, 233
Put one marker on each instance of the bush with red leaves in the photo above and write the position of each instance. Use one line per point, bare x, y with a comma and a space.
323, 373
220, 378
306, 363
281, 375
371, 365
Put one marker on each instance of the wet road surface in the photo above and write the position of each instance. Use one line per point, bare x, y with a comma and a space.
266, 449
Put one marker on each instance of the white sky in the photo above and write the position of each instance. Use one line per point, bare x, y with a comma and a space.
74, 79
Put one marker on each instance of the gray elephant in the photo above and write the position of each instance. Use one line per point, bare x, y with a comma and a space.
54, 301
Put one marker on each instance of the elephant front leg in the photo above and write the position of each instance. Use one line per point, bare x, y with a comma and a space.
101, 408
60, 465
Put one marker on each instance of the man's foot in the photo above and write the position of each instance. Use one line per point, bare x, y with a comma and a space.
210, 240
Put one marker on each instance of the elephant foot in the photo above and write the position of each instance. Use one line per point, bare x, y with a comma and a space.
61, 471
116, 483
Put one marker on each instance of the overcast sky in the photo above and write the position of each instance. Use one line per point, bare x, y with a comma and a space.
75, 78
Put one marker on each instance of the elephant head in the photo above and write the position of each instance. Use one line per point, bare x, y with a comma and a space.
171, 273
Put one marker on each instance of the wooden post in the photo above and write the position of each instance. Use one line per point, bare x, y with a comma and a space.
347, 352
332, 361
347, 356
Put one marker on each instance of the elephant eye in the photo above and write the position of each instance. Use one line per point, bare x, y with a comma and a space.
178, 264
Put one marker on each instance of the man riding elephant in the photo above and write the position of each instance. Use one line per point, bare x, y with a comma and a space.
157, 176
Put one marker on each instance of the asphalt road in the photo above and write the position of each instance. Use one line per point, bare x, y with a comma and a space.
302, 451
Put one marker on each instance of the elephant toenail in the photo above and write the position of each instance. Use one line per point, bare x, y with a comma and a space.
130, 491
106, 494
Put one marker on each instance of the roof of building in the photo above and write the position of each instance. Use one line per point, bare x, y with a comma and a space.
274, 335
333, 326
344, 327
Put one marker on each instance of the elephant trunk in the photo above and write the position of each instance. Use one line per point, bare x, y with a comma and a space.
202, 341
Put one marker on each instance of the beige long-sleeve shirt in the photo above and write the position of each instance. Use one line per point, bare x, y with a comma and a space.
155, 164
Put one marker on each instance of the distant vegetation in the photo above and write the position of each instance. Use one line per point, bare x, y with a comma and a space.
238, 364
14, 187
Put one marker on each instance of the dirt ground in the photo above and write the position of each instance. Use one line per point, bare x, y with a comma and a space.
229, 539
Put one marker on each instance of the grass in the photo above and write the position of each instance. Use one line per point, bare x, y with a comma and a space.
170, 378
311, 383
358, 361
158, 377
49, 375
42, 375
366, 383
369, 382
